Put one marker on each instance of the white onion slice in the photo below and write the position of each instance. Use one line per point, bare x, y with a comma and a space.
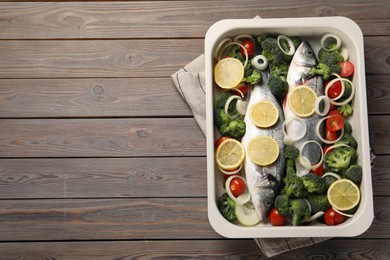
333, 101
304, 161
246, 214
315, 216
329, 36
342, 213
335, 146
229, 192
242, 36
287, 138
308, 204
331, 174
345, 53
259, 62
326, 103
241, 107
320, 136
291, 49
227, 104
235, 43
219, 47
238, 89
231, 172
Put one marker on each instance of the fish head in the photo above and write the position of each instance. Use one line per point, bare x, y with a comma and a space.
263, 200
304, 55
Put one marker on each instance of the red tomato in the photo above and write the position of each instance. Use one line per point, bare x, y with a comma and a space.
219, 141
275, 218
335, 123
319, 170
333, 218
237, 187
330, 136
326, 148
249, 46
335, 89
335, 112
244, 89
347, 69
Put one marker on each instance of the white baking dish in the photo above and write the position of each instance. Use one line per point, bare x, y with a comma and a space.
309, 29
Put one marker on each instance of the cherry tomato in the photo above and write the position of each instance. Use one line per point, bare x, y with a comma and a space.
335, 89
335, 123
249, 46
319, 170
332, 218
244, 89
347, 69
330, 136
237, 187
275, 218
335, 112
219, 141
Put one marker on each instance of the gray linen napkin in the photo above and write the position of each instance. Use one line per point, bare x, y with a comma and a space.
190, 82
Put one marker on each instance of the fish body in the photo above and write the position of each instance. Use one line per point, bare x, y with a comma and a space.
263, 181
299, 74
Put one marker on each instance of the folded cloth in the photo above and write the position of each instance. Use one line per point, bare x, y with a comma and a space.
190, 82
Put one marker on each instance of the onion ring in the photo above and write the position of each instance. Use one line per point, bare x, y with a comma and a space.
325, 38
259, 65
346, 101
289, 139
231, 172
315, 216
342, 213
229, 192
290, 44
331, 174
227, 104
320, 136
305, 162
327, 105
239, 44
241, 36
219, 46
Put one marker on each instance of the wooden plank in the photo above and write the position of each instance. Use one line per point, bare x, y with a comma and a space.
122, 97
189, 249
103, 178
143, 137
151, 19
379, 134
126, 58
138, 218
381, 176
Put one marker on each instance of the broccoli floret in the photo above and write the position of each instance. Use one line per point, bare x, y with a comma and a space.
272, 51
325, 70
354, 173
279, 70
294, 187
313, 183
347, 91
318, 203
347, 127
220, 117
339, 159
329, 179
221, 101
299, 210
296, 41
330, 57
234, 128
282, 203
277, 86
254, 78
226, 206
345, 110
291, 152
349, 140
248, 70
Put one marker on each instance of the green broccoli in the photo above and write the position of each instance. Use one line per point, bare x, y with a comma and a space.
291, 152
227, 207
330, 57
272, 51
235, 128
354, 173
347, 127
349, 140
221, 101
347, 91
254, 78
313, 183
318, 203
325, 70
345, 110
339, 159
329, 179
277, 86
220, 117
296, 41
294, 187
282, 203
300, 211
279, 70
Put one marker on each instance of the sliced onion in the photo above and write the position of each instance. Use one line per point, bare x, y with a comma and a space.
346, 100
304, 161
241, 107
231, 172
308, 204
291, 49
234, 43
259, 62
229, 192
345, 53
342, 213
331, 174
335, 146
326, 103
246, 214
329, 36
315, 216
219, 47
227, 104
238, 89
242, 36
286, 136
320, 136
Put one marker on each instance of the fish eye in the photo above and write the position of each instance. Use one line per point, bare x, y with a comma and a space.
310, 52
268, 203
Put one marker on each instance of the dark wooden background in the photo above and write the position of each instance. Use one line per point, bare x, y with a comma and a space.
100, 158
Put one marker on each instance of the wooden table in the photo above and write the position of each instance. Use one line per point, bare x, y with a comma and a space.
100, 156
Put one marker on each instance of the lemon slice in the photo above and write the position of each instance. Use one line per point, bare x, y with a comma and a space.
264, 114
228, 73
263, 150
302, 100
230, 154
343, 194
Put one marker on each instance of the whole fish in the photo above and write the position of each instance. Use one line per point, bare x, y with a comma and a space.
299, 74
263, 181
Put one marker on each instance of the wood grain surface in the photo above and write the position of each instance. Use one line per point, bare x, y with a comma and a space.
100, 157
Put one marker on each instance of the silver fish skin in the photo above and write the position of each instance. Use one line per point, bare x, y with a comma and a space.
263, 181
299, 74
